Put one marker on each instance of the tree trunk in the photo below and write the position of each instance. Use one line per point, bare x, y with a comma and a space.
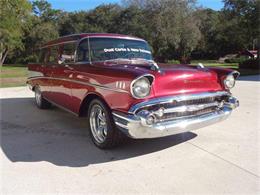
3, 56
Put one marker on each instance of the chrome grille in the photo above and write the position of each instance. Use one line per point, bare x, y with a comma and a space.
171, 113
176, 115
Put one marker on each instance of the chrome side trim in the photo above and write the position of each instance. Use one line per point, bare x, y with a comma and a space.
178, 98
34, 74
83, 83
61, 107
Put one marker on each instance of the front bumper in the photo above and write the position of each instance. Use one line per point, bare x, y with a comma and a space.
133, 126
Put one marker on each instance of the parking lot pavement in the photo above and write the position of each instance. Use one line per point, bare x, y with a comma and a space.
49, 151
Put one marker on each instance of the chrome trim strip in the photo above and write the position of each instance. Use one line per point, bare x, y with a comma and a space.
34, 74
83, 83
178, 98
61, 107
117, 37
124, 116
121, 125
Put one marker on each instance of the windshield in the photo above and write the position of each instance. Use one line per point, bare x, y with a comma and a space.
102, 49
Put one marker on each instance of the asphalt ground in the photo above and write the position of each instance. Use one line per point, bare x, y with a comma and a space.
50, 152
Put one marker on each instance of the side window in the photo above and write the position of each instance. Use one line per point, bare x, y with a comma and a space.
54, 54
68, 52
82, 51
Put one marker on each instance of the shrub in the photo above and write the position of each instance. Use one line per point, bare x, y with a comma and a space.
236, 60
173, 62
250, 64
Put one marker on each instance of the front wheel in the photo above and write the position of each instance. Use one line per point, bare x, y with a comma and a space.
103, 132
39, 100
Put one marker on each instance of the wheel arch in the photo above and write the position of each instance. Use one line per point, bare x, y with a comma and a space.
85, 103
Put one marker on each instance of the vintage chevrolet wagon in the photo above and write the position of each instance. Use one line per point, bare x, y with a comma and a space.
113, 81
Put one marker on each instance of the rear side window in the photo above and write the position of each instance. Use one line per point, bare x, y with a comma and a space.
82, 51
54, 54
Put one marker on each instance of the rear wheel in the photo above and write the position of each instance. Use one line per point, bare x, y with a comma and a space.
39, 100
103, 131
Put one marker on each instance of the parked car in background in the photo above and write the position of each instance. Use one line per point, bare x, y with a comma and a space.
113, 81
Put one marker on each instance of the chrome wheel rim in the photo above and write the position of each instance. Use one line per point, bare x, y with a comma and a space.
98, 123
38, 97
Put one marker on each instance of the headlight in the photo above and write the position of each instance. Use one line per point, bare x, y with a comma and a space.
229, 81
141, 88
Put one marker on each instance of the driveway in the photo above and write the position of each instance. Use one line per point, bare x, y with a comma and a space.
50, 151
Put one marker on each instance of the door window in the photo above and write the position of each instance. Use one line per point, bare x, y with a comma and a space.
68, 52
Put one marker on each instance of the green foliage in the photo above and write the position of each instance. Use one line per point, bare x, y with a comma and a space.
12, 25
41, 27
239, 25
44, 11
170, 26
236, 60
175, 29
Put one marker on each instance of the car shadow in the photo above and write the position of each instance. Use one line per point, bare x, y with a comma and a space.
32, 135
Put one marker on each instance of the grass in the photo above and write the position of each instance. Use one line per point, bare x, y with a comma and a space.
235, 66
13, 75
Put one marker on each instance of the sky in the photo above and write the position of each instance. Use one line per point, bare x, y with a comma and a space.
76, 5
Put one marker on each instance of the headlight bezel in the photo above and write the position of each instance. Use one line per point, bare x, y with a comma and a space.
148, 78
230, 77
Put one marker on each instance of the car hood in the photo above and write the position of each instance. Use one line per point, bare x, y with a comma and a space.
184, 79
173, 79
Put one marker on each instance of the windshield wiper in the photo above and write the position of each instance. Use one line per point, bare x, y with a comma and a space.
117, 59
150, 62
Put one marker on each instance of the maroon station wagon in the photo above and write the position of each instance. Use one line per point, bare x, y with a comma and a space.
112, 80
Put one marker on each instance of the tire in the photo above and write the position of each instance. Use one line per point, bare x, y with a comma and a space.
39, 100
101, 125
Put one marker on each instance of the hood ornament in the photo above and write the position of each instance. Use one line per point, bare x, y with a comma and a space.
200, 65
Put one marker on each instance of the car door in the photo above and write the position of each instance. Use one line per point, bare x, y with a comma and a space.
45, 70
60, 76
81, 75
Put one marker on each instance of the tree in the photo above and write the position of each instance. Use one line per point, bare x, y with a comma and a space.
239, 25
43, 27
208, 23
172, 24
14, 14
44, 11
131, 20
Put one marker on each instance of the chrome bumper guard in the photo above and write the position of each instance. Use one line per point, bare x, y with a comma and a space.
134, 125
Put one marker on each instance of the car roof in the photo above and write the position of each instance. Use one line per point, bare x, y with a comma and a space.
76, 37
